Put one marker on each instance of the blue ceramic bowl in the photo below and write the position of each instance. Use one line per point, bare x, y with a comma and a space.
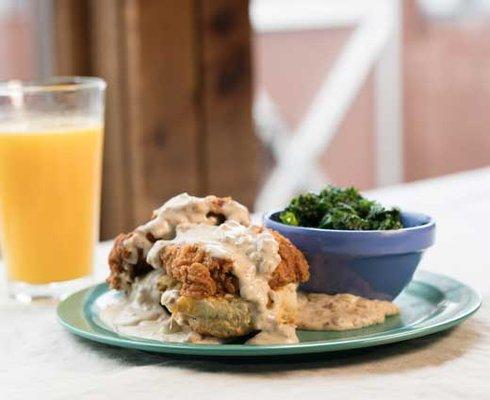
372, 264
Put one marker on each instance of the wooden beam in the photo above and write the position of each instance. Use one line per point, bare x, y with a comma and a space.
71, 37
231, 148
162, 104
178, 101
109, 56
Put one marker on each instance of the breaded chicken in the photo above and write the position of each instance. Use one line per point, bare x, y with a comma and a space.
122, 274
293, 267
127, 259
216, 274
202, 275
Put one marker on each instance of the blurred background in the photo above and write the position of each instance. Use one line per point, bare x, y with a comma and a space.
263, 99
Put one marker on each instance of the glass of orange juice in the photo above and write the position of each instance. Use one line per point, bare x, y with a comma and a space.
51, 135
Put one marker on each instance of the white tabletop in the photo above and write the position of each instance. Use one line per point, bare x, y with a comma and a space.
39, 359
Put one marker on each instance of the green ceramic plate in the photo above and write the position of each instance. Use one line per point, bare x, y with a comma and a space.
431, 303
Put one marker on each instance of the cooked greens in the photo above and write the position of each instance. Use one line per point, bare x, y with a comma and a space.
343, 209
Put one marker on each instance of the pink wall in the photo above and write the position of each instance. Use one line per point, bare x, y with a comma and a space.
17, 52
291, 66
447, 96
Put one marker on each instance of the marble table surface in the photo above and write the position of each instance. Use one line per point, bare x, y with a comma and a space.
40, 360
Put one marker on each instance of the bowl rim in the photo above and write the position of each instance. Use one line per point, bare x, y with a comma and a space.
428, 225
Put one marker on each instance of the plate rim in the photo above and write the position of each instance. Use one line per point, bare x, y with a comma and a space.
466, 310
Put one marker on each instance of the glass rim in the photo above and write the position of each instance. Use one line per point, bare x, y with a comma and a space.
52, 84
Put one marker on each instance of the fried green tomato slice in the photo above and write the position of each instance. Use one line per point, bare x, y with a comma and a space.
222, 317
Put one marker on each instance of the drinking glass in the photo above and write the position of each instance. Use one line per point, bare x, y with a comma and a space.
51, 135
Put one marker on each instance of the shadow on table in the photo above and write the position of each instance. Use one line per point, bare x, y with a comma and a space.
432, 350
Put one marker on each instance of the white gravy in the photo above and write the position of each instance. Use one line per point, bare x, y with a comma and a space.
255, 256
340, 312
179, 210
186, 219
140, 314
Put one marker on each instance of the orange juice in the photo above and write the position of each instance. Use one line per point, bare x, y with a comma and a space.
49, 200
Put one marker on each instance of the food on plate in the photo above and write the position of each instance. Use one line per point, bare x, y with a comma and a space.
340, 312
213, 274
341, 209
128, 257
199, 271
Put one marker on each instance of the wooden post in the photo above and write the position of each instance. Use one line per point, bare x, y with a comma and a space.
71, 37
109, 61
179, 99
230, 149
162, 109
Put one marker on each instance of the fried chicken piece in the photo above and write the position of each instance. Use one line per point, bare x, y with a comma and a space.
293, 266
123, 273
203, 276
202, 292
200, 274
127, 259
